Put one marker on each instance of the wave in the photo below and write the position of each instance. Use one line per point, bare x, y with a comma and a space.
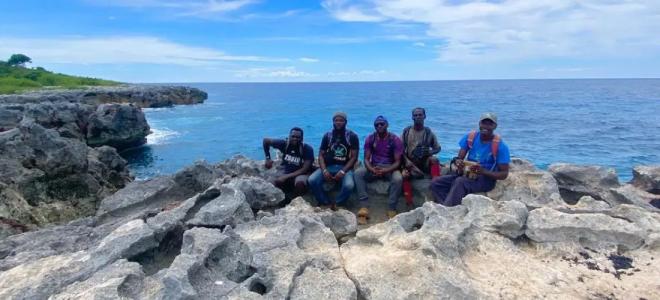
160, 136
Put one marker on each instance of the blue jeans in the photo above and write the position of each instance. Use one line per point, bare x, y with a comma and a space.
316, 185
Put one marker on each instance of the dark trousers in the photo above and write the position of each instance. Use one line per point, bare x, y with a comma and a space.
449, 190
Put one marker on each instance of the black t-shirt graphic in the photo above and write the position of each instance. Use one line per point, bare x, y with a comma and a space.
337, 148
292, 159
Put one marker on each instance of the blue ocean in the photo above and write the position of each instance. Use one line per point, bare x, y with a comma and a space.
608, 122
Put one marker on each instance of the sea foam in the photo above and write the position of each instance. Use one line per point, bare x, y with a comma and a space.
160, 136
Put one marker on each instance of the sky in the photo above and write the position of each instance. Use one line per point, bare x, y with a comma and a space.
335, 40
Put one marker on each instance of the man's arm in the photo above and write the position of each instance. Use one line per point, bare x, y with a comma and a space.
352, 153
266, 144
435, 145
394, 166
501, 173
367, 161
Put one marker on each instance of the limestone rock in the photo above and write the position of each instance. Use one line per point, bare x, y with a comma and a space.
118, 125
647, 178
284, 246
577, 181
588, 203
597, 230
122, 279
258, 192
230, 208
505, 217
139, 95
210, 265
527, 184
630, 194
332, 285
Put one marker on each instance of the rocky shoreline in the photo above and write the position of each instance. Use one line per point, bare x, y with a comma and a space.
73, 224
58, 149
222, 231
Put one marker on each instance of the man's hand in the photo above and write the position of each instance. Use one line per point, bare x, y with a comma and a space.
327, 176
338, 177
426, 152
409, 164
460, 166
378, 172
476, 169
269, 163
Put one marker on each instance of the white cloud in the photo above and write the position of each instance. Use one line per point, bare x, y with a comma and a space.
357, 74
476, 31
419, 44
309, 60
287, 72
344, 10
294, 73
119, 50
182, 8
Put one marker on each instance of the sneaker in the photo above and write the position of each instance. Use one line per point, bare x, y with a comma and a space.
363, 216
391, 214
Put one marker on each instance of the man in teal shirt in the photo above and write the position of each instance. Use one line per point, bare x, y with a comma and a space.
491, 163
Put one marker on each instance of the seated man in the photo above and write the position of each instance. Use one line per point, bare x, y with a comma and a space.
337, 156
491, 162
419, 146
296, 162
382, 159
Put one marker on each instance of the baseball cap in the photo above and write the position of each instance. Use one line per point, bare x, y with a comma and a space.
380, 119
489, 115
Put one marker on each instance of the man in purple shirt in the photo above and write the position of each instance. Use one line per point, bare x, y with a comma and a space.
382, 159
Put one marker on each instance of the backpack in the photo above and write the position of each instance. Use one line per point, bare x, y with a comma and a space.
425, 138
494, 145
347, 137
390, 141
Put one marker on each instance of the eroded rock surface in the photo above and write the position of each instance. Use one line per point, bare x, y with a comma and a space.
58, 154
208, 232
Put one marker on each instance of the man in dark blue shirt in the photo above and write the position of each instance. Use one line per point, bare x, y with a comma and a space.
297, 158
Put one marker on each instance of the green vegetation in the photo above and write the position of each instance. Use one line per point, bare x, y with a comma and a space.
15, 78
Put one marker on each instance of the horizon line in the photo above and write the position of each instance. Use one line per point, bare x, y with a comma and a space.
420, 80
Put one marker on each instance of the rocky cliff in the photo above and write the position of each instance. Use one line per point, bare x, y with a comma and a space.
222, 231
58, 149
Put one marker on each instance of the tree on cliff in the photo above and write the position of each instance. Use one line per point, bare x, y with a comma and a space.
19, 60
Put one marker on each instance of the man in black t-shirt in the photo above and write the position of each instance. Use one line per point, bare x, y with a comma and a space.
297, 158
337, 156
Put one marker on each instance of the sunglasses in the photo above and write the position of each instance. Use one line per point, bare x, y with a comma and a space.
379, 124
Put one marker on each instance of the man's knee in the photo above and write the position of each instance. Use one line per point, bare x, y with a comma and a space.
461, 181
348, 183
315, 179
397, 178
361, 172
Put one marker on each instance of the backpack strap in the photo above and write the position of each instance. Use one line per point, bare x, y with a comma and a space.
470, 139
405, 137
390, 142
494, 144
427, 136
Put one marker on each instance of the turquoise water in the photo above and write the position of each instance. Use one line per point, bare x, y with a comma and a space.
609, 122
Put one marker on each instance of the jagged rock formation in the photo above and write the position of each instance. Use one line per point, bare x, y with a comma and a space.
222, 231
58, 154
139, 95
